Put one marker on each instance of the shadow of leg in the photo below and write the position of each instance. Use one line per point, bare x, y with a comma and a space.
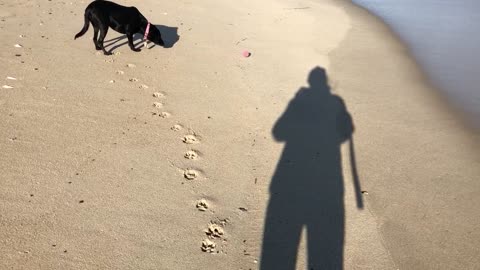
325, 237
114, 40
281, 236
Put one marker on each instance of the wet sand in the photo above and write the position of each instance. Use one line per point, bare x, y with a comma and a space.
441, 35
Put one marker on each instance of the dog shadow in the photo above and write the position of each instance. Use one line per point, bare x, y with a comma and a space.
169, 35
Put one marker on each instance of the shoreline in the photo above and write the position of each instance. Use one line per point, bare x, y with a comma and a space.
438, 90
420, 158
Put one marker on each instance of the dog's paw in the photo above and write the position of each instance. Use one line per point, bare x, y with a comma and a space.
107, 53
136, 50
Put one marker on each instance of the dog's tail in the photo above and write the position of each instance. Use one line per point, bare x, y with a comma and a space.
85, 26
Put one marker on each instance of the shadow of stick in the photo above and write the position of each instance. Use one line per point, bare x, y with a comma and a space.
356, 180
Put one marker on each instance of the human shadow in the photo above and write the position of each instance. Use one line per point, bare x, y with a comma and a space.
307, 188
169, 36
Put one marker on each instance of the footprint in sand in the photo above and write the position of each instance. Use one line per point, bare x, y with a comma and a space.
120, 72
164, 115
158, 95
191, 155
190, 174
143, 86
214, 230
208, 246
176, 127
131, 65
157, 104
202, 205
133, 80
190, 139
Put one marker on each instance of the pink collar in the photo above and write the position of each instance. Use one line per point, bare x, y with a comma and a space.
146, 35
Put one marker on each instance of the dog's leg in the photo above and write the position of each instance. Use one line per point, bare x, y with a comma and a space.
95, 38
103, 34
130, 42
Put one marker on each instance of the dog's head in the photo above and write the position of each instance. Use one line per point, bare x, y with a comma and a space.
155, 36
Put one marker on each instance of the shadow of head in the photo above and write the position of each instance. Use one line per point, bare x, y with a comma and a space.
317, 79
168, 35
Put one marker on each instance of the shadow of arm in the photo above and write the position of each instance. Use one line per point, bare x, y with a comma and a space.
345, 129
284, 124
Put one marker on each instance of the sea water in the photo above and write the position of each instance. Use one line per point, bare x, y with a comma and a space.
444, 37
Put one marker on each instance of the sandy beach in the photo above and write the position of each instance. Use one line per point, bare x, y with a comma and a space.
195, 157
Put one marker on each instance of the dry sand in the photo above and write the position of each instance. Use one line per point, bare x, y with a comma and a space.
163, 159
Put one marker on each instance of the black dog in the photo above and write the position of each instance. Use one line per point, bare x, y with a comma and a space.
125, 20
